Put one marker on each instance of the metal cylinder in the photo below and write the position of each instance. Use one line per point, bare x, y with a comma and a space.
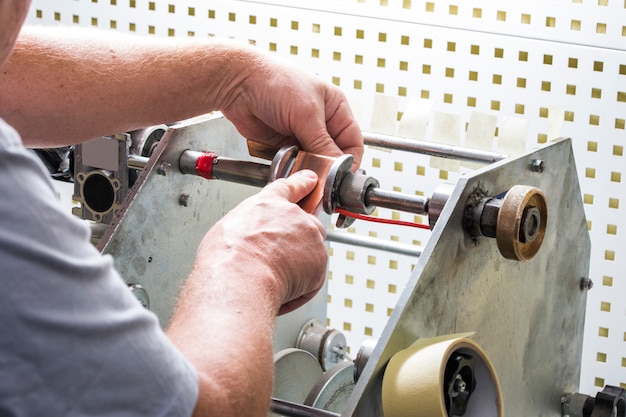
363, 356
187, 162
438, 201
233, 170
430, 148
397, 201
353, 193
577, 405
144, 141
137, 162
327, 345
241, 172
373, 243
289, 409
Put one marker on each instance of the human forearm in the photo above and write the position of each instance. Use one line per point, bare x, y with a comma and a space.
68, 85
265, 257
223, 325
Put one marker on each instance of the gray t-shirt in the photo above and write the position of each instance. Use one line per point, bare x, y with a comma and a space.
73, 339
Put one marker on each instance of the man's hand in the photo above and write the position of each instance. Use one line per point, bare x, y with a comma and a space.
85, 83
270, 233
281, 104
266, 257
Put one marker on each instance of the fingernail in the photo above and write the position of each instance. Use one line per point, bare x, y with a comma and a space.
308, 173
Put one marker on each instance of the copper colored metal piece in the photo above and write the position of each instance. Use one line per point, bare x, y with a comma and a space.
522, 221
261, 150
284, 164
321, 165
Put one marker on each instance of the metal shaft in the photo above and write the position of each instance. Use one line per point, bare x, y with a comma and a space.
241, 172
137, 162
397, 201
430, 148
358, 193
289, 409
373, 243
222, 168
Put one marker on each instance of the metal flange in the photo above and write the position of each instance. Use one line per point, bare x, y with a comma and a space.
339, 169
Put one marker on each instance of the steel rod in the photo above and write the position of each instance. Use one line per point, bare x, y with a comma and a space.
137, 162
241, 172
396, 201
221, 168
289, 409
372, 243
431, 148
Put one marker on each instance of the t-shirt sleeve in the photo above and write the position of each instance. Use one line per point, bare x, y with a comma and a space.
74, 340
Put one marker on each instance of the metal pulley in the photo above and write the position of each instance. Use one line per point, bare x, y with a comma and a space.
517, 220
329, 346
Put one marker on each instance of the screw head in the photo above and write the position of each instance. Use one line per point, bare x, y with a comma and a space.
164, 168
141, 294
586, 284
538, 166
459, 386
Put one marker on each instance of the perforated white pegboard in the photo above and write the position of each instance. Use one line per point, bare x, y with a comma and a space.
516, 73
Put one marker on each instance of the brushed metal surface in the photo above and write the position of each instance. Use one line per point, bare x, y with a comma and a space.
527, 316
154, 239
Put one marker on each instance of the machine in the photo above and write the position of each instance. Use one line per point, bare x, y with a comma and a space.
490, 322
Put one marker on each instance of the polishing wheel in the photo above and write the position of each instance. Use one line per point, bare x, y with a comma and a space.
443, 376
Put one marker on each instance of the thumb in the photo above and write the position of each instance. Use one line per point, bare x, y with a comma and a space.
295, 187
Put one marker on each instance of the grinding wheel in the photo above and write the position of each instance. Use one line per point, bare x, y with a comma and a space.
439, 377
332, 391
522, 221
295, 373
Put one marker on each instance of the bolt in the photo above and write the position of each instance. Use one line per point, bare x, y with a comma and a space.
140, 294
487, 212
537, 166
459, 386
338, 353
184, 200
164, 168
586, 284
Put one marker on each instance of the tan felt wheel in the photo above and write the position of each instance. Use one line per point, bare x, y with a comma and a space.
522, 221
418, 382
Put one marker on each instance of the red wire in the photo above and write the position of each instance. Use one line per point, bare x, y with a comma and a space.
380, 220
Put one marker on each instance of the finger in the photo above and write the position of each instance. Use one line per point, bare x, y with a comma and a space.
295, 187
346, 133
335, 131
